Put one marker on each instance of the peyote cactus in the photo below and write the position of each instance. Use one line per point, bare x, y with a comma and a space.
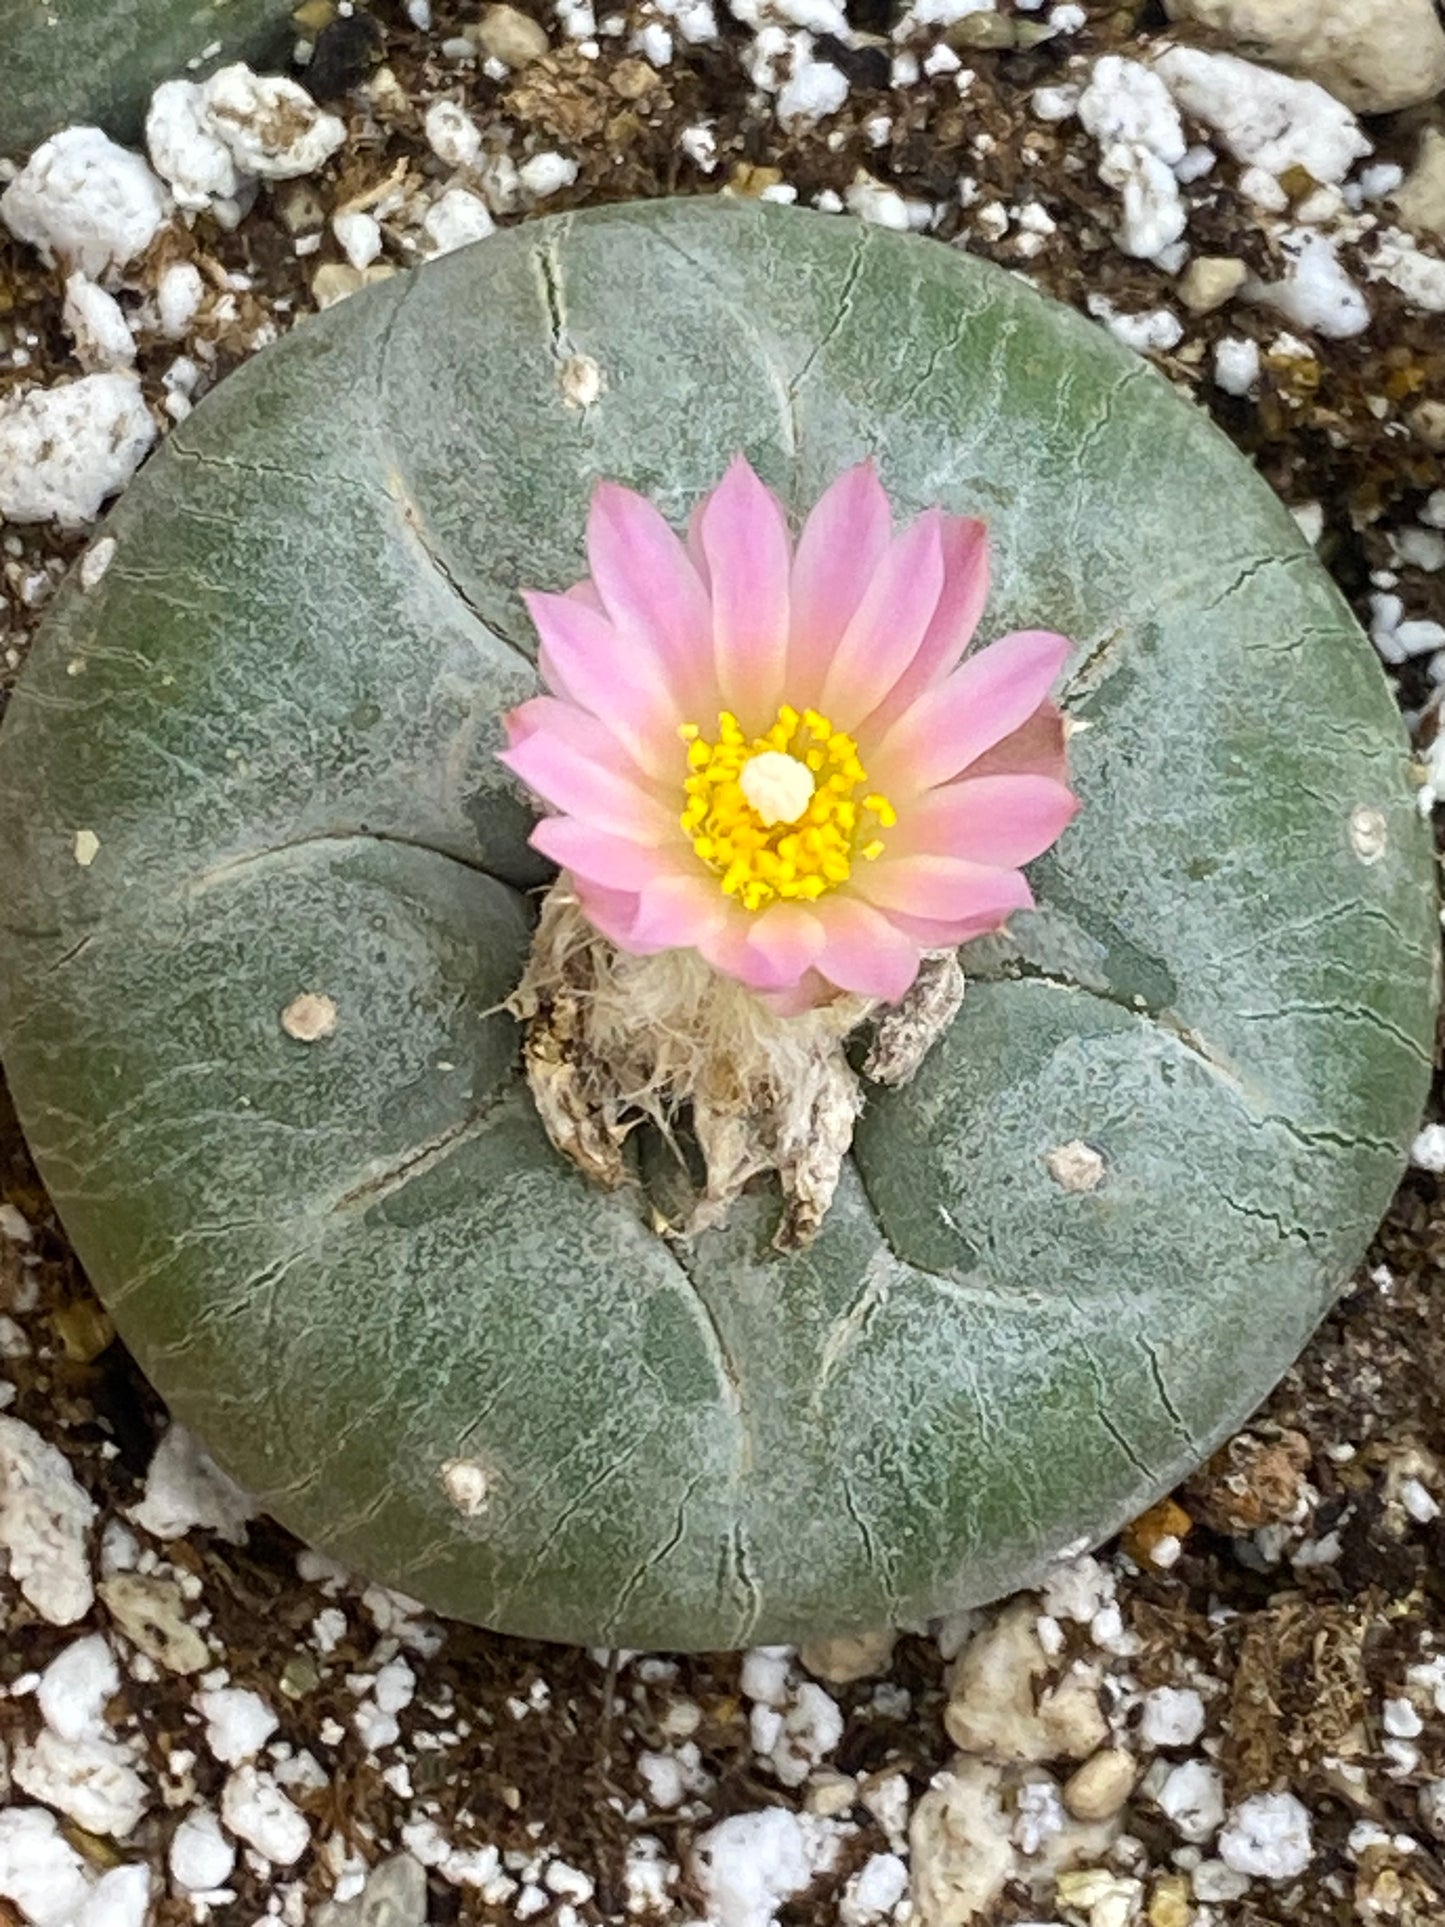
270, 891
97, 60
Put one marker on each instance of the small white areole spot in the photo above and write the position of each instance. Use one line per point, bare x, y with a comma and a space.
86, 845
309, 1017
1369, 833
468, 1484
581, 380
1075, 1166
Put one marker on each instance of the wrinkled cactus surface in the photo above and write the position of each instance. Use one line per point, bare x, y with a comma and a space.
96, 61
254, 765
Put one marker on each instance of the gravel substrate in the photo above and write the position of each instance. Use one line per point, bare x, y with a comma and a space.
1234, 1716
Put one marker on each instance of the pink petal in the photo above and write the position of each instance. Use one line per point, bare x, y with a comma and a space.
615, 862
999, 820
843, 541
888, 625
725, 945
954, 723
586, 593
677, 911
696, 553
612, 676
810, 990
744, 535
565, 723
1036, 748
593, 790
865, 951
784, 943
932, 933
613, 912
942, 888
650, 589
960, 604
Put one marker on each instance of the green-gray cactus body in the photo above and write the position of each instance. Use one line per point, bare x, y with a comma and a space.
255, 762
96, 61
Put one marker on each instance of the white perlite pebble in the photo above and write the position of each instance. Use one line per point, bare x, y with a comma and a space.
185, 1488
1315, 292
749, 1865
455, 220
90, 1780
654, 43
1419, 277
1430, 1799
1156, 329
201, 1857
273, 128
1125, 101
1236, 364
1400, 1720
45, 1517
1173, 1716
120, 1898
375, 1718
1427, 1153
661, 1774
14, 1224
75, 1686
358, 235
84, 202
63, 450
238, 1723
815, 89
1128, 110
39, 1869
874, 1891
1419, 1502
179, 294
451, 134
258, 1812
1193, 1799
765, 1673
1265, 119
1268, 1836
185, 148
94, 321
569, 1883
876, 202
1214, 1883
800, 1739
547, 174
1154, 215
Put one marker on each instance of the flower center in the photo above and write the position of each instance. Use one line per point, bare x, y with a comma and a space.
778, 787
780, 817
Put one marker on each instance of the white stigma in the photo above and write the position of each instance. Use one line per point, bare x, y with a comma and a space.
778, 786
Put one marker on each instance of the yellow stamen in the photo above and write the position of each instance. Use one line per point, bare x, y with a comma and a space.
781, 818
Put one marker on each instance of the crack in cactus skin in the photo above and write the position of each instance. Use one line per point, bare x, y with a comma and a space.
974, 1365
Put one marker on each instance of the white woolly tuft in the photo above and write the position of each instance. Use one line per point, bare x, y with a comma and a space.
612, 1039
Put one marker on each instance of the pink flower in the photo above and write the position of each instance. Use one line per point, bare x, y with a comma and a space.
776, 755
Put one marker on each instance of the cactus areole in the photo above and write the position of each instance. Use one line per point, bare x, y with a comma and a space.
270, 894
